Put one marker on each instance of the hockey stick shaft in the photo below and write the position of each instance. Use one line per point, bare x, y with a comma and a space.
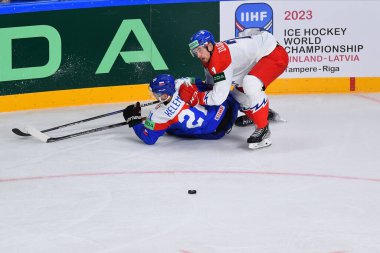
93, 118
19, 132
94, 130
45, 138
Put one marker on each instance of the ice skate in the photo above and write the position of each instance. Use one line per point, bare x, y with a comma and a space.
243, 121
260, 138
273, 116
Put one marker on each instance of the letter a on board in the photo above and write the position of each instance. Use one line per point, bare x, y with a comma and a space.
149, 52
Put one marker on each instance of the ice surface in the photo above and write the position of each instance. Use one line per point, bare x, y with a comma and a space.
315, 190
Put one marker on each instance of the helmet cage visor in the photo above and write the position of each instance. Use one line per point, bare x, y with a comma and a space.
194, 47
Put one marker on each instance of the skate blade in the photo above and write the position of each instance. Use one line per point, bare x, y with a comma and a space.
263, 144
278, 119
275, 117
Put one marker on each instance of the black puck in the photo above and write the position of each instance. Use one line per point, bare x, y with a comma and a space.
191, 191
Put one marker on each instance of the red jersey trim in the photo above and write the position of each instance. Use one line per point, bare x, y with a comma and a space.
220, 59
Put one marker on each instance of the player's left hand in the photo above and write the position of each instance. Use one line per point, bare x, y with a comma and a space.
190, 94
132, 114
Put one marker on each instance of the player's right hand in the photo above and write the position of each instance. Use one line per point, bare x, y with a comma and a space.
132, 114
189, 94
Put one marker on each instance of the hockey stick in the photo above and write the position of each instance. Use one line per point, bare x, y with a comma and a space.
21, 133
45, 138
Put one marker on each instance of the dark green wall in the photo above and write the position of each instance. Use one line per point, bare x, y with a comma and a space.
86, 35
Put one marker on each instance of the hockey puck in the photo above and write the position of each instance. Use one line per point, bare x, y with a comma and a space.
191, 191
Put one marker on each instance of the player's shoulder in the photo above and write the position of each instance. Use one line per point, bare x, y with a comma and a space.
164, 113
220, 58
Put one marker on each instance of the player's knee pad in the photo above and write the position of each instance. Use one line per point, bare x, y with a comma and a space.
253, 88
252, 85
241, 97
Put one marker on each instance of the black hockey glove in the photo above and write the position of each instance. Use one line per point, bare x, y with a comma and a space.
132, 114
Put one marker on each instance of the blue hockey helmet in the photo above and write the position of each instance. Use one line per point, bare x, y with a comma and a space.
162, 84
200, 38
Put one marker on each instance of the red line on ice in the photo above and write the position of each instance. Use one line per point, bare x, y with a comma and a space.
222, 172
369, 98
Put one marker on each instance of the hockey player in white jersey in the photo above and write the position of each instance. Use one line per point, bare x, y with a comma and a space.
248, 63
172, 115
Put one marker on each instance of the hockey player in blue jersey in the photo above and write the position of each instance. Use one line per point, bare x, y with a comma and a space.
173, 116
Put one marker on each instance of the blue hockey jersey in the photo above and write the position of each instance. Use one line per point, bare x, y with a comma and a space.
178, 118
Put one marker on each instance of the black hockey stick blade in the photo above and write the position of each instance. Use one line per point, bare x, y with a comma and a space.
24, 134
19, 132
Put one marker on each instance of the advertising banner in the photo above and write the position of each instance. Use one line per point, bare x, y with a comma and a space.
99, 47
322, 38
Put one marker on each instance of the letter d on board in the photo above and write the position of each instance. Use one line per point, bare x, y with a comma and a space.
7, 73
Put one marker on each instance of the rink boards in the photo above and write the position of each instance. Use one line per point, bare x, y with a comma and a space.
77, 55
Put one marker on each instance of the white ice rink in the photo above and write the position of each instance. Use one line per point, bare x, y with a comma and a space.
315, 190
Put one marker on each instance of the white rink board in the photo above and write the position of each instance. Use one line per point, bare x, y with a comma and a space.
346, 25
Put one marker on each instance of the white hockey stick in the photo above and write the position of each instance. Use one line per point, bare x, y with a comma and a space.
23, 133
32, 131
47, 139
36, 133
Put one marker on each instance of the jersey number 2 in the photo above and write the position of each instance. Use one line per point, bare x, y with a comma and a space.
191, 122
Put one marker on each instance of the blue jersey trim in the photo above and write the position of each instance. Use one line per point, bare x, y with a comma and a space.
38, 6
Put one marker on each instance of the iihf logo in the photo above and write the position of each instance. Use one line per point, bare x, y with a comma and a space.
253, 17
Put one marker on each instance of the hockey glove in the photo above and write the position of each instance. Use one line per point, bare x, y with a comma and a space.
132, 114
191, 95
182, 81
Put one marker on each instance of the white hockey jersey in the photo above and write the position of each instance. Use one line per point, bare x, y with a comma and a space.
233, 59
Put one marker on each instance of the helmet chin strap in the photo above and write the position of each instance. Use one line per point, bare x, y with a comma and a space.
167, 100
209, 50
